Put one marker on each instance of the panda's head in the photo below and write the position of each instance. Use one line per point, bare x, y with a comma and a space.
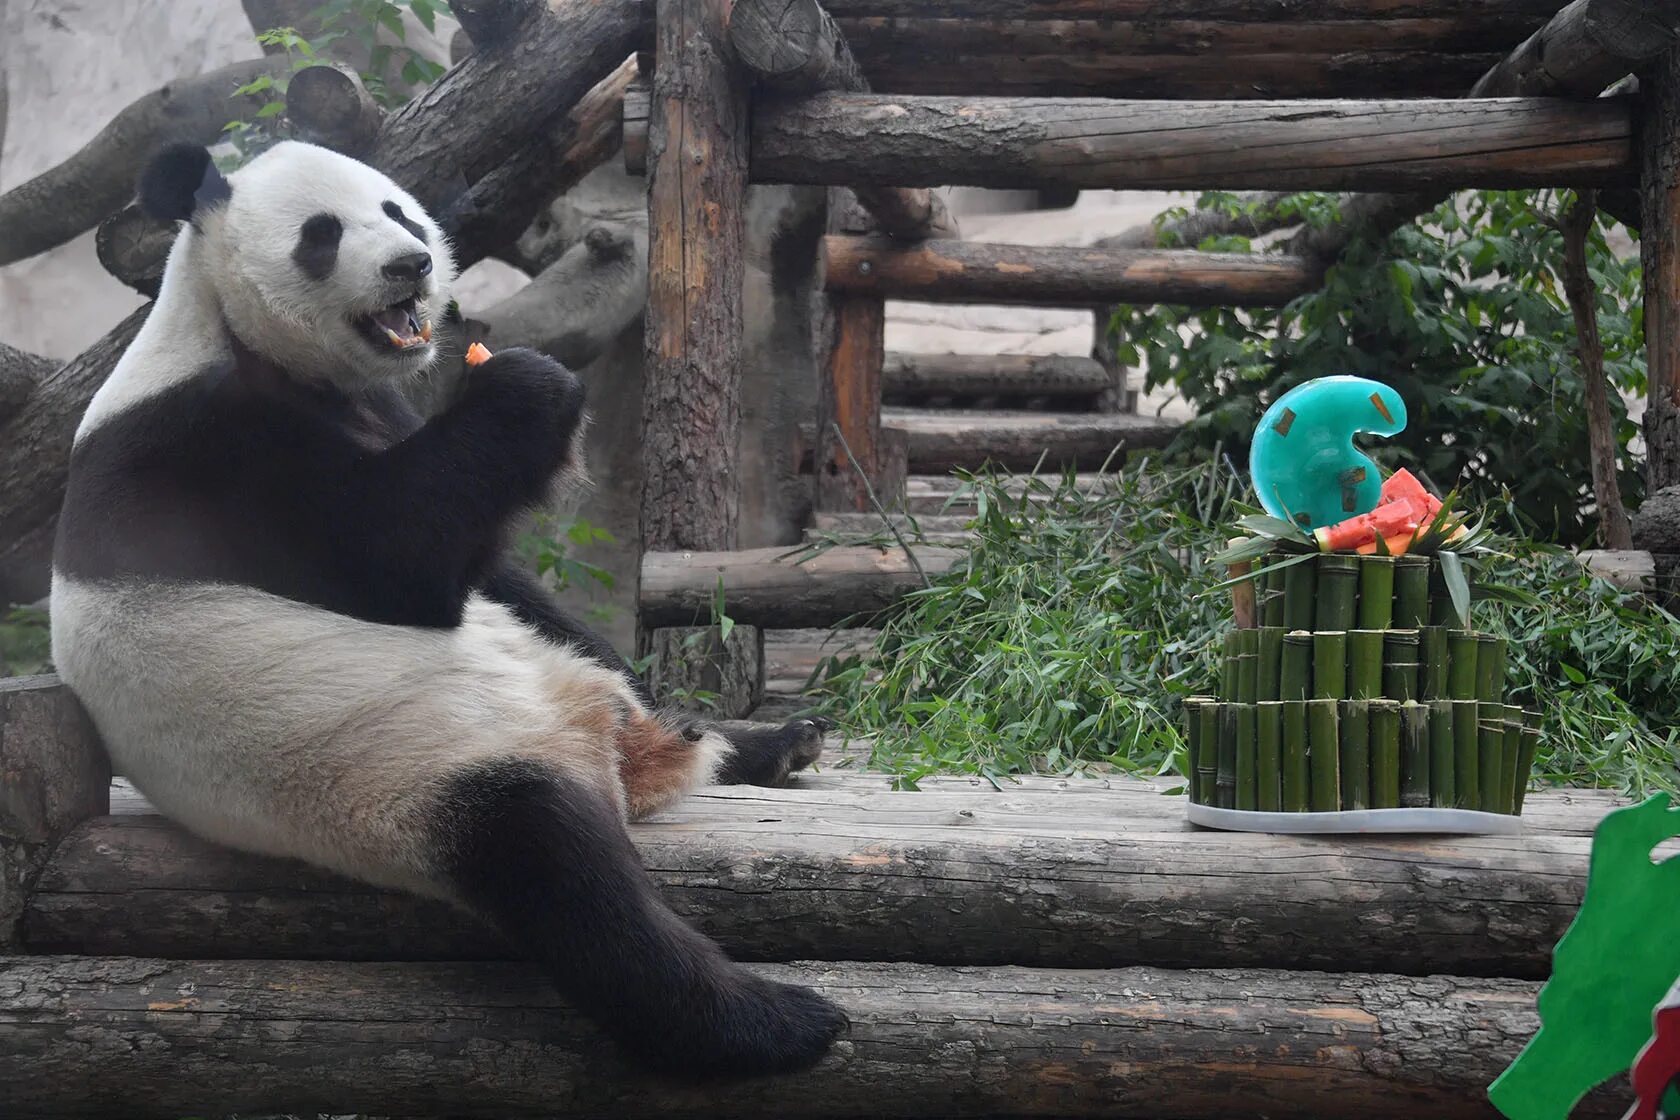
318, 262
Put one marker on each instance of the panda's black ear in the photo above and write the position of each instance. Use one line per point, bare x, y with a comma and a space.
181, 180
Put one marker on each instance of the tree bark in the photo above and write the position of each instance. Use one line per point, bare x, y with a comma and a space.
691, 407
942, 440
35, 459
1164, 13
134, 248
919, 376
71, 198
1585, 47
1659, 250
214, 1038
1614, 530
696, 670
766, 587
329, 106
852, 456
976, 272
1323, 145
53, 776
20, 373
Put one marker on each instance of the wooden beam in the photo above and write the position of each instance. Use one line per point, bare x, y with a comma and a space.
978, 272
1191, 12
1272, 145
328, 105
792, 46
949, 439
1585, 47
1082, 877
853, 459
214, 1038
20, 373
1060, 377
1659, 248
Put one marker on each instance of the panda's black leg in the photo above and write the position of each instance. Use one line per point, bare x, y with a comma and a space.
765, 753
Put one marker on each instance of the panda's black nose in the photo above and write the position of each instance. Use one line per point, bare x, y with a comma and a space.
409, 266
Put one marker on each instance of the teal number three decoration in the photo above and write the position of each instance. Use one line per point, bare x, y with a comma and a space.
1303, 461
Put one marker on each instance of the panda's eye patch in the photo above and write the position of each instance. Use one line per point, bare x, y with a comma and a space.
395, 213
317, 247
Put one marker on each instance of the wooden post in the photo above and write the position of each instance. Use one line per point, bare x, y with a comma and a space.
1659, 247
691, 398
53, 776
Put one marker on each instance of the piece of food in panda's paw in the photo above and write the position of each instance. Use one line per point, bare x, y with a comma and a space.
478, 354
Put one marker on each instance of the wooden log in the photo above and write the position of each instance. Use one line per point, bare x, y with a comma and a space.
1036, 876
851, 472
978, 272
943, 440
53, 776
213, 1038
1462, 17
1062, 377
768, 587
328, 105
20, 373
794, 47
1585, 47
1268, 145
949, 529
1659, 250
134, 247
638, 106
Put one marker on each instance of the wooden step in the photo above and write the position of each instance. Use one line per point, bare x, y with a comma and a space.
949, 529
150, 1038
947, 439
1070, 381
943, 493
1093, 875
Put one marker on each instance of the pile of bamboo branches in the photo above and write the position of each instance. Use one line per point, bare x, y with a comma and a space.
1360, 688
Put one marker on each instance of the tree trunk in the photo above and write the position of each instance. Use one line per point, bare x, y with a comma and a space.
1585, 47
69, 199
699, 672
1577, 222
851, 454
1457, 19
20, 373
1058, 276
329, 106
1304, 145
1659, 249
134, 248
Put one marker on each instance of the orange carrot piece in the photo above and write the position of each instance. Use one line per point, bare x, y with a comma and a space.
478, 354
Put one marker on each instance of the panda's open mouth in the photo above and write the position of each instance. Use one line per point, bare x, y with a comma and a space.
397, 326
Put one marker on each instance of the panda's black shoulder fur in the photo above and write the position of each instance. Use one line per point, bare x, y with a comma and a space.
179, 180
245, 474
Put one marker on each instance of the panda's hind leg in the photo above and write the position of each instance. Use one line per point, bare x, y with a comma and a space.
765, 754
659, 763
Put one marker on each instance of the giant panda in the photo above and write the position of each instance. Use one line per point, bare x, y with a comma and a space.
282, 598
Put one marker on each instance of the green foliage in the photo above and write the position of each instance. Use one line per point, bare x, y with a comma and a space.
1463, 314
25, 642
393, 74
549, 548
1081, 621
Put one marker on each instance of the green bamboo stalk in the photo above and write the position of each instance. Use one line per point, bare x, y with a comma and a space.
1467, 766
1296, 781
1442, 775
1525, 756
1490, 738
1385, 754
1338, 592
1268, 766
1324, 755
1414, 756
1271, 662
1330, 665
1355, 760
1272, 595
1434, 663
1207, 763
1411, 592
1376, 592
1192, 743
1365, 660
1225, 786
1228, 667
1295, 670
1509, 762
1248, 677
1490, 669
1300, 597
1400, 680
1245, 793
1461, 671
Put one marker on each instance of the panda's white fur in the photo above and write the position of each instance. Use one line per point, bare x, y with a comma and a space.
466, 758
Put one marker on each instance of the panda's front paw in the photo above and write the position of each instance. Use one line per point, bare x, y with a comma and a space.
527, 391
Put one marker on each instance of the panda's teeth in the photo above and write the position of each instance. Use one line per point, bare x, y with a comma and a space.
396, 339
426, 331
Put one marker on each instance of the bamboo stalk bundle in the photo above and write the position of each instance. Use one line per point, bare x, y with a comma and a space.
1365, 664
1376, 592
1228, 667
1467, 764
1245, 788
1295, 669
1400, 665
1434, 663
1300, 595
1338, 592
1330, 665
1270, 663
1491, 744
1415, 759
1225, 783
1295, 779
1355, 748
1385, 754
1490, 669
1207, 762
1443, 785
1525, 756
1411, 592
1323, 755
1268, 766
1248, 676
1272, 598
1512, 756
1462, 649
1193, 741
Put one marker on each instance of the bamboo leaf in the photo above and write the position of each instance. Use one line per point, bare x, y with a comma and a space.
1452, 573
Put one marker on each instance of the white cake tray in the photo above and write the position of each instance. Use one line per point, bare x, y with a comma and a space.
1460, 821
